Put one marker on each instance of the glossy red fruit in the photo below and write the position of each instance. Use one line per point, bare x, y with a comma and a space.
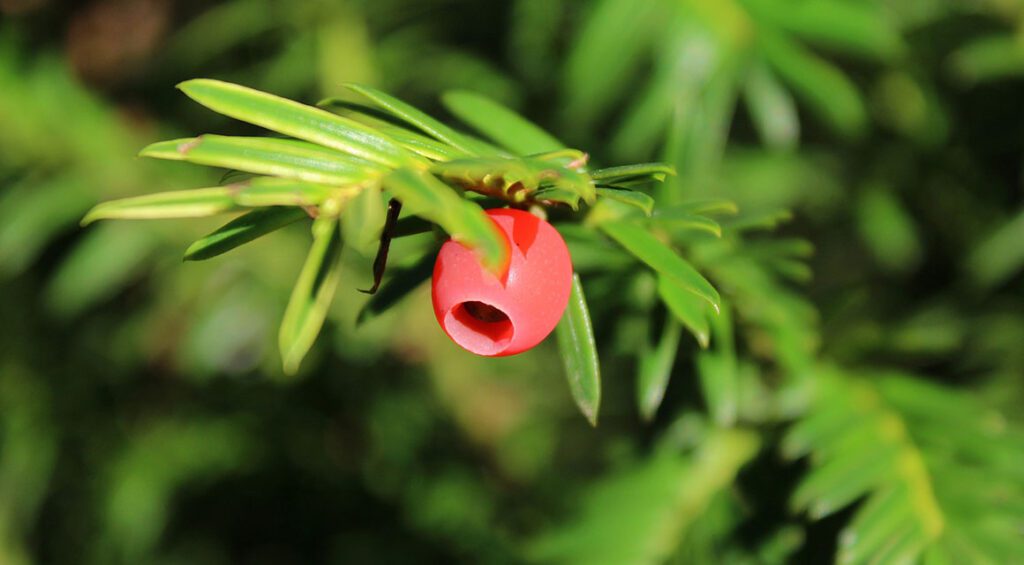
498, 315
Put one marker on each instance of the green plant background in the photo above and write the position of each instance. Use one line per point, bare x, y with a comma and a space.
860, 399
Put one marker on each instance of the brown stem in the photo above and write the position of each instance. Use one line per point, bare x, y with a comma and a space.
380, 262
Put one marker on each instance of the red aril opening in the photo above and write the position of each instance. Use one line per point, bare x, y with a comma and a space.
480, 328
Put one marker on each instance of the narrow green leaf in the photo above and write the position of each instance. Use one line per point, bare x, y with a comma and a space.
883, 513
465, 221
401, 283
269, 156
393, 128
34, 211
195, 203
268, 191
686, 307
676, 221
613, 41
592, 252
106, 260
362, 221
651, 172
858, 28
242, 230
719, 371
703, 207
660, 257
655, 368
415, 117
627, 196
504, 126
296, 120
558, 195
825, 89
643, 512
218, 29
990, 57
312, 295
999, 255
767, 220
772, 108
888, 229
830, 487
575, 336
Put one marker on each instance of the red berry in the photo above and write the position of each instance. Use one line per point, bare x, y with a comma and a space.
498, 315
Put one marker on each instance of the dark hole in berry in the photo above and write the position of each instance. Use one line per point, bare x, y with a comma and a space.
484, 312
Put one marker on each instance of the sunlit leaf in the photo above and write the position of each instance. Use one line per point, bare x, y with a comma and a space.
403, 134
280, 192
507, 128
297, 120
416, 118
269, 156
195, 203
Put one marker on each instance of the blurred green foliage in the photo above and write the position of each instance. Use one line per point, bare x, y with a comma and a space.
856, 398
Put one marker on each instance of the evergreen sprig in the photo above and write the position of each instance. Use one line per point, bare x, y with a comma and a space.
438, 174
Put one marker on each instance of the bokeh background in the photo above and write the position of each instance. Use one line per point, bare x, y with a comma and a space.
143, 415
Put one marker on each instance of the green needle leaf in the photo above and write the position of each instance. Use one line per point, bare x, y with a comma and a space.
417, 118
826, 90
718, 370
312, 295
269, 156
676, 221
195, 203
575, 336
703, 207
627, 196
266, 191
242, 230
465, 221
507, 128
641, 172
395, 129
297, 120
660, 257
686, 307
656, 368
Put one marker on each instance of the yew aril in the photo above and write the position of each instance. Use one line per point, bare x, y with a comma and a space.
512, 311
